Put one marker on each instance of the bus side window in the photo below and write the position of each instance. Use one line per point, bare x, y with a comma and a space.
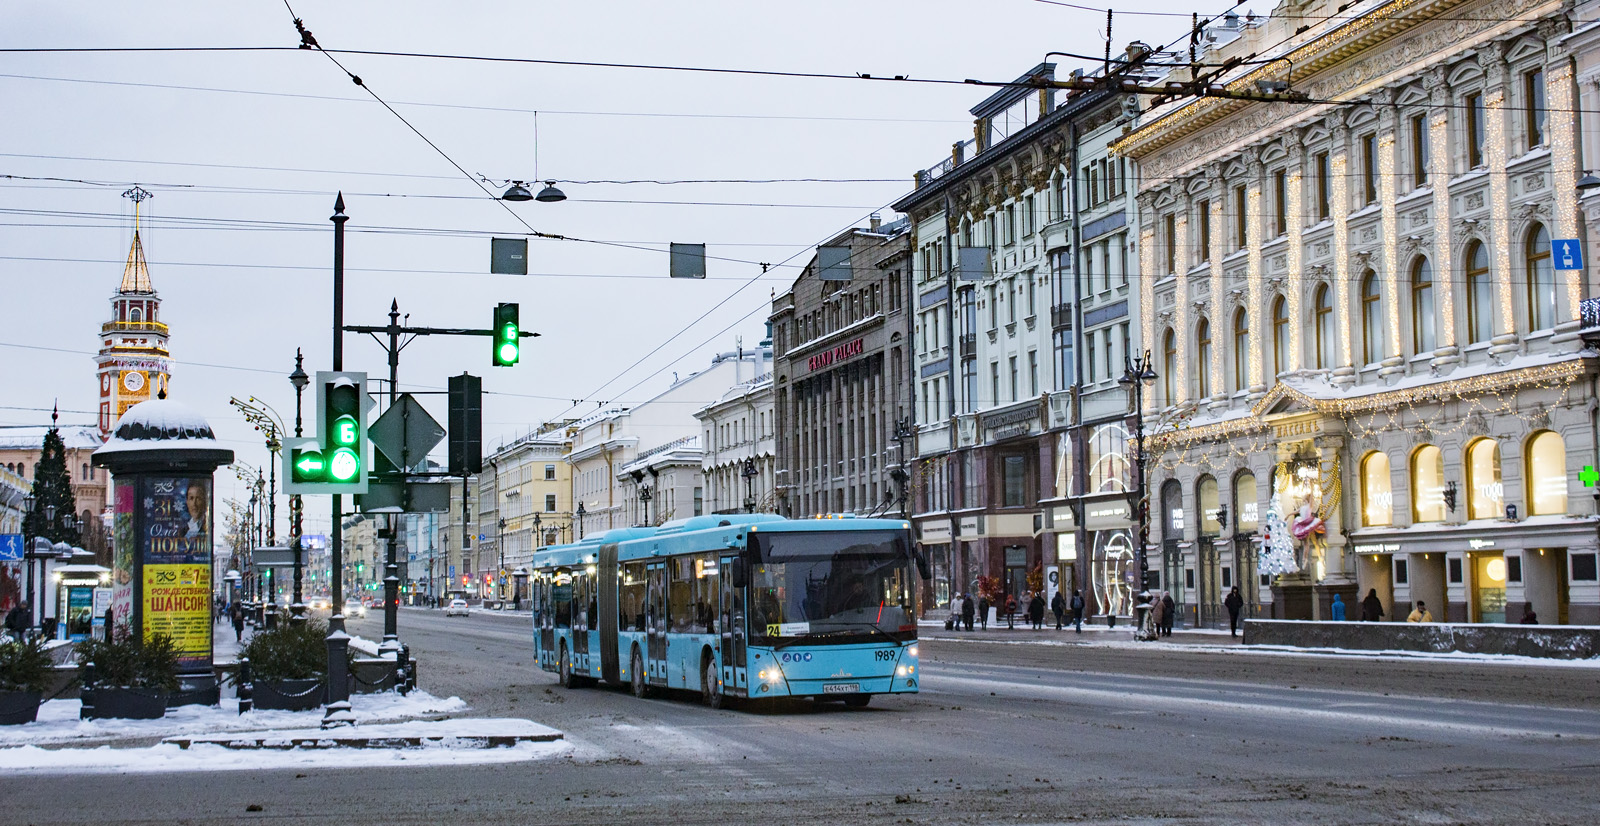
561, 597
707, 583
631, 605
680, 595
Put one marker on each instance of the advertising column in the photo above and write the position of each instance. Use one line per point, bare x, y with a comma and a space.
175, 566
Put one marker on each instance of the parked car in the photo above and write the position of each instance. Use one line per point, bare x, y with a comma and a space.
457, 608
353, 608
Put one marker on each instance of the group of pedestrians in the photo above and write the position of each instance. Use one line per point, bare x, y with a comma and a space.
965, 613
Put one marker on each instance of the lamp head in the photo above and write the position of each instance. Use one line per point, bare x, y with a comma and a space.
1588, 182
517, 192
550, 194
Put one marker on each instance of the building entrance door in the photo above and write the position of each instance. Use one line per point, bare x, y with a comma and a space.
1244, 574
1209, 584
1488, 600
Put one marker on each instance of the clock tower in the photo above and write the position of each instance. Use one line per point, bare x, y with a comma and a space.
133, 363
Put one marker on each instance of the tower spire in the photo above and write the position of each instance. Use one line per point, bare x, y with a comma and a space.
135, 274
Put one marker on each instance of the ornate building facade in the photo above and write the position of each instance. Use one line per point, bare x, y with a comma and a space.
1366, 318
133, 364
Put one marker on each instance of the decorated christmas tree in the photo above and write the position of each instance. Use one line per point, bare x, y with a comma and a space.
1277, 546
52, 489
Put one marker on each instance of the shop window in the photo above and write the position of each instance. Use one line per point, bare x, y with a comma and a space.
1188, 577
1109, 469
1015, 470
1455, 570
1583, 567
1227, 577
1377, 497
1206, 493
1547, 474
1401, 572
1245, 506
1427, 484
1485, 493
1172, 510
1513, 568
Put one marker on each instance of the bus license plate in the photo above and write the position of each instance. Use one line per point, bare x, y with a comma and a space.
842, 688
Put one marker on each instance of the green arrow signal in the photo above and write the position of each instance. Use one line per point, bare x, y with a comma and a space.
309, 464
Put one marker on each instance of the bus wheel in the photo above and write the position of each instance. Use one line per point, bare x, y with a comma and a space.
568, 679
858, 700
711, 688
641, 689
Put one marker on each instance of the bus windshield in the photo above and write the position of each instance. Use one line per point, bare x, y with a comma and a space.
832, 587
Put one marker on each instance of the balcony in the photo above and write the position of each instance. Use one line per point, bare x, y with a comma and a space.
969, 346
157, 327
1061, 317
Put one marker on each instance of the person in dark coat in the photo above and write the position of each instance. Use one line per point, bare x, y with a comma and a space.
1169, 612
1058, 606
966, 611
983, 612
1528, 615
1036, 611
1077, 609
1372, 607
1234, 603
1011, 611
238, 622
17, 620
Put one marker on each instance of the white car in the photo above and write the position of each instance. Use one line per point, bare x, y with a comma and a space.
354, 608
457, 608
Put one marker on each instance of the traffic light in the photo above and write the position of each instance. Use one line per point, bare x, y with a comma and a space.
337, 459
507, 336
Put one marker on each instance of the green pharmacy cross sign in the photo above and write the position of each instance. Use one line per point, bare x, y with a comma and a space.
1589, 476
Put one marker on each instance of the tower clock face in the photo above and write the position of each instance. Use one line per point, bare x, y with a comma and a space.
133, 380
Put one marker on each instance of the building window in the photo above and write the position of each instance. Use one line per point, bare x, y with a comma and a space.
1203, 219
969, 383
1371, 319
1480, 295
1377, 499
1369, 169
1322, 166
1206, 493
1322, 322
1541, 279
994, 383
1533, 99
549, 473
699, 501
1280, 203
1202, 366
1246, 510
1475, 130
1066, 366
1485, 493
1241, 349
1016, 481
1422, 321
1033, 372
994, 308
1280, 336
1547, 474
1012, 363
549, 503
1419, 150
1169, 365
1427, 484
1240, 237
1171, 224
1092, 351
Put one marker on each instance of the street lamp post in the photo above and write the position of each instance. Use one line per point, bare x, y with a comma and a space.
297, 611
580, 521
644, 499
750, 473
500, 542
1137, 374
903, 430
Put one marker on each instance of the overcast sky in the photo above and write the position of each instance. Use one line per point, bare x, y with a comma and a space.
245, 150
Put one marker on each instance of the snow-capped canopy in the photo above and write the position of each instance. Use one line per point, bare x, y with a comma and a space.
164, 426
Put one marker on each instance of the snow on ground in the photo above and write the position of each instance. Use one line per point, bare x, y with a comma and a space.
1282, 650
168, 757
58, 719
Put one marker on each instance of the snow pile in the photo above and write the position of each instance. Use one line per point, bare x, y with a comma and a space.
169, 757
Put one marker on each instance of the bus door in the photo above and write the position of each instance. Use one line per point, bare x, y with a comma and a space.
607, 621
544, 619
582, 614
656, 623
733, 632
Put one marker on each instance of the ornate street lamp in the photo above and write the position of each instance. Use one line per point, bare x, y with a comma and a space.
750, 473
580, 521
1137, 374
299, 379
644, 499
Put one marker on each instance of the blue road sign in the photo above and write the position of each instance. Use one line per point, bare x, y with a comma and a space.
11, 546
1568, 253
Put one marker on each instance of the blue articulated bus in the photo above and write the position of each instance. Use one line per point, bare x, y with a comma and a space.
749, 606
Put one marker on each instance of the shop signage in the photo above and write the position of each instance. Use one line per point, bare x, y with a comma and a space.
969, 526
840, 353
1383, 548
1011, 422
1480, 544
1066, 547
939, 532
1101, 516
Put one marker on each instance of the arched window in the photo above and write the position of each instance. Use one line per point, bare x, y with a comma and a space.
1241, 349
135, 315
1246, 510
1423, 340
1202, 366
1427, 484
1280, 336
1371, 319
1485, 493
1172, 511
1169, 365
1547, 474
1480, 296
1541, 279
1377, 498
1323, 324
1206, 492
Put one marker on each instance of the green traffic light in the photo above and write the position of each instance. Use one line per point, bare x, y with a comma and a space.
345, 465
507, 332
345, 430
508, 353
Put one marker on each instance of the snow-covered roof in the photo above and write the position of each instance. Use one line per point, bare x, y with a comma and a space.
160, 424
32, 438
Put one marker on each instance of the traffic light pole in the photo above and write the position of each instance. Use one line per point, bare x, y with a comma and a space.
338, 712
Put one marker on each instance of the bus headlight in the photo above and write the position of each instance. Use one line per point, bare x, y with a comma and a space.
770, 674
912, 651
902, 671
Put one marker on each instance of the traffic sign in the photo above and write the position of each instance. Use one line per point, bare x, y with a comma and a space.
405, 432
11, 546
1568, 253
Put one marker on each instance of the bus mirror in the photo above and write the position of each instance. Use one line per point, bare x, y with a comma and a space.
737, 573
922, 562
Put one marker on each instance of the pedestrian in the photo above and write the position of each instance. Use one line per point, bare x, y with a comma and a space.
17, 620
1158, 622
1528, 615
1036, 611
238, 622
1058, 606
966, 610
1077, 609
1337, 608
1234, 603
983, 612
1169, 613
953, 622
1011, 612
1372, 607
1420, 613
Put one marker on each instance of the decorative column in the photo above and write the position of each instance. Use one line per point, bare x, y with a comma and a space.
1338, 167
1389, 228
1294, 260
1219, 326
1444, 271
1561, 131
1147, 272
1254, 236
1494, 151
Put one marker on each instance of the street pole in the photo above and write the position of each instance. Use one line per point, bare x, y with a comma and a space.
391, 566
338, 711
296, 506
1136, 374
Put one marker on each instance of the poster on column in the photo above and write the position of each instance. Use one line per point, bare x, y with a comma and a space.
176, 566
124, 546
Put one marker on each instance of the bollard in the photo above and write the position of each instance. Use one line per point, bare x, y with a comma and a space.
87, 692
245, 684
402, 663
